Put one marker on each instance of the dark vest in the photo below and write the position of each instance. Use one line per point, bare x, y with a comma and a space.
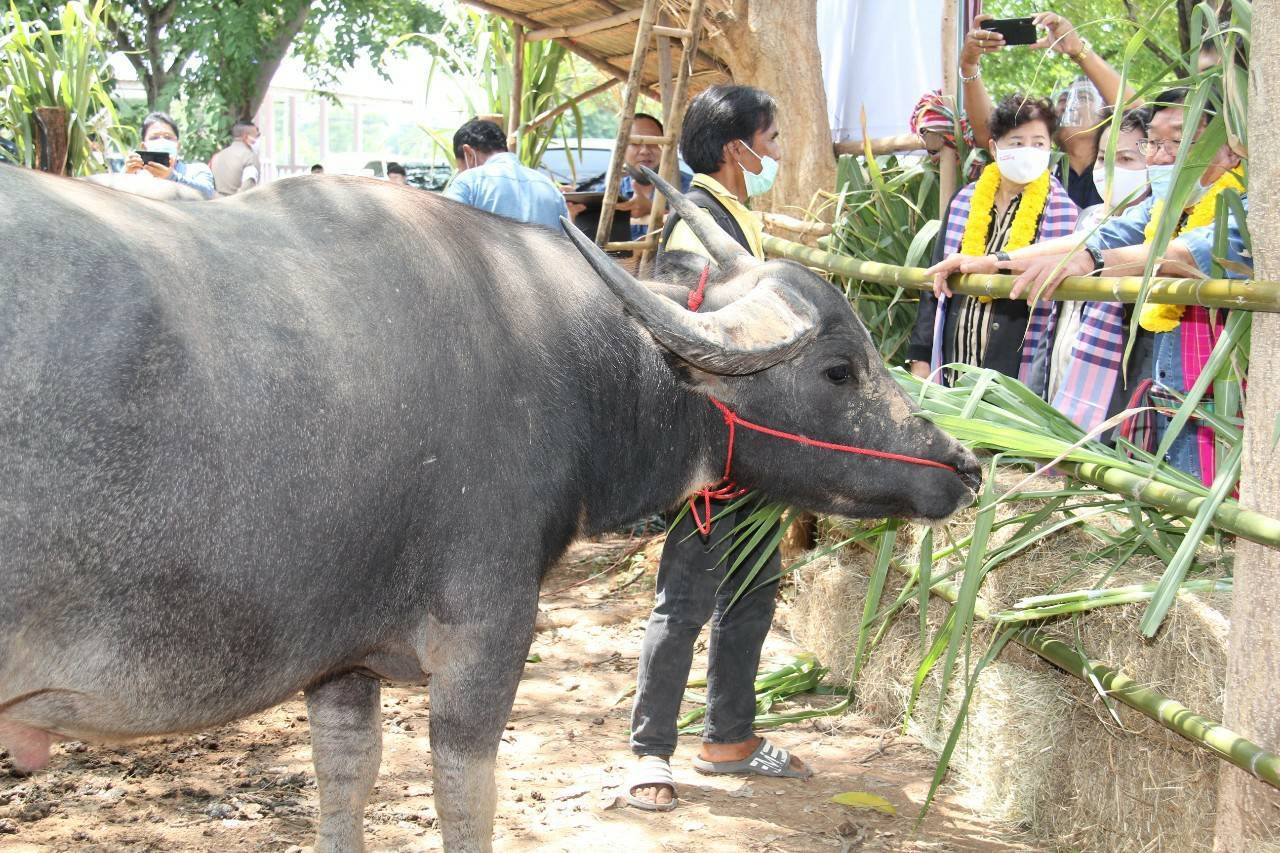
718, 211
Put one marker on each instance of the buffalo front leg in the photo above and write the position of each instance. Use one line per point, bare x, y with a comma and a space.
346, 747
472, 691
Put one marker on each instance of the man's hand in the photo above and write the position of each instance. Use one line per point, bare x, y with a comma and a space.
964, 264
1040, 277
159, 170
919, 368
977, 42
132, 163
1062, 35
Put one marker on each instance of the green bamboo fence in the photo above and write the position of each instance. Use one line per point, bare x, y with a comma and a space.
1209, 292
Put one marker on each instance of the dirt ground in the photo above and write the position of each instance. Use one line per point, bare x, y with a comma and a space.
249, 786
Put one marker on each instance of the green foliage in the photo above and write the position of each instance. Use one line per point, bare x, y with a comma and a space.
218, 58
63, 65
886, 211
475, 50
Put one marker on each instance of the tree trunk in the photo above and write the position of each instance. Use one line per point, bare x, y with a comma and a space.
773, 45
1249, 810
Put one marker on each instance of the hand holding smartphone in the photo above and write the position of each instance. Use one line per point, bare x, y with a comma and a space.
160, 158
1014, 31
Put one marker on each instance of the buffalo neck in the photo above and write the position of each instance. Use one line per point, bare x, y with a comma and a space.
653, 440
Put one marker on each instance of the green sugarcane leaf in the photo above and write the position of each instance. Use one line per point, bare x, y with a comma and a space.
1163, 599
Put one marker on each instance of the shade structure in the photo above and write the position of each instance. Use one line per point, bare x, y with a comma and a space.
610, 49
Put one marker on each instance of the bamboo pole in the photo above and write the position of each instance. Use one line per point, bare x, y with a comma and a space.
578, 30
573, 47
1173, 715
669, 164
517, 92
1209, 292
948, 163
547, 115
881, 145
644, 30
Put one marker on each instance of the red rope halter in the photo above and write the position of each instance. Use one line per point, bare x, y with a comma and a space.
725, 489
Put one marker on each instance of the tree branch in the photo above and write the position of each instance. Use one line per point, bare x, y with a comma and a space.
273, 57
1147, 42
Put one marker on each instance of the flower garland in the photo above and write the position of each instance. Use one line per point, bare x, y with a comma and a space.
1165, 318
1023, 231
981, 206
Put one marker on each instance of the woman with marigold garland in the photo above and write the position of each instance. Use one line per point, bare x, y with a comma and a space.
1014, 203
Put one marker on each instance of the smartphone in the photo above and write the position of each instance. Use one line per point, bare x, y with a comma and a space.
160, 157
1016, 31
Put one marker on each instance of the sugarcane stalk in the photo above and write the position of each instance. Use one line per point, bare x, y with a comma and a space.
1103, 598
1230, 517
1169, 713
1211, 292
1083, 595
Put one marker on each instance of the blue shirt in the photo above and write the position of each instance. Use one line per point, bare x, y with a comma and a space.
194, 175
504, 186
1129, 229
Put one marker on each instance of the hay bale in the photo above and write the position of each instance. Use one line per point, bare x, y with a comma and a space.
1040, 749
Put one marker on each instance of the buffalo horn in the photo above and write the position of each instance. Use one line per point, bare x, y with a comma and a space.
724, 249
767, 325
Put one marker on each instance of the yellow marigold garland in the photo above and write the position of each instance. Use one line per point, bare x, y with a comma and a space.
1166, 318
1023, 230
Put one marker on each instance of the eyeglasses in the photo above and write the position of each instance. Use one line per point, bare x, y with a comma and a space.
1147, 147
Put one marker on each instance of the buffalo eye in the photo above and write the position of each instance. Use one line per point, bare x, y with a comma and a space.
838, 374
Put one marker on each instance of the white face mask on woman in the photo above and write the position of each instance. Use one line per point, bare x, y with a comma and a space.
1127, 185
1022, 165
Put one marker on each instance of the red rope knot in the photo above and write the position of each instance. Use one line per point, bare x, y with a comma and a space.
700, 292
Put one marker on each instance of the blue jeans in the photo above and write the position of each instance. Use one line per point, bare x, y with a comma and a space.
689, 593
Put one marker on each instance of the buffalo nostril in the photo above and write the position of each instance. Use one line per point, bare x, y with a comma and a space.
970, 472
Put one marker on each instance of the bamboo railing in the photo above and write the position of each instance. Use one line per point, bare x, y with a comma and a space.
1209, 292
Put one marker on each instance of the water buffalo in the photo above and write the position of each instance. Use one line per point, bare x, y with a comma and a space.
336, 430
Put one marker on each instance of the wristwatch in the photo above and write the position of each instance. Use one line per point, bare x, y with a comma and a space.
1098, 262
1083, 51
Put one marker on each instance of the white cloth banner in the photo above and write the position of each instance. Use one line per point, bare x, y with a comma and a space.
881, 55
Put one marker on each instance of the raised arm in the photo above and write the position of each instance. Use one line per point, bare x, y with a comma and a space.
1061, 36
977, 102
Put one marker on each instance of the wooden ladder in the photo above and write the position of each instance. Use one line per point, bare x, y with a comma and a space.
674, 94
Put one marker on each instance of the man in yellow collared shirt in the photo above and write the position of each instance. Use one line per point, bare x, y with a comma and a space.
733, 158
730, 139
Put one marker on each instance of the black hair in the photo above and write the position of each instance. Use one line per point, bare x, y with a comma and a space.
482, 135
394, 168
1018, 109
1138, 118
1168, 99
241, 127
718, 116
1177, 98
160, 118
317, 167
653, 119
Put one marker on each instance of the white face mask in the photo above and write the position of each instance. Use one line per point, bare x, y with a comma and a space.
168, 146
1127, 185
256, 145
1022, 165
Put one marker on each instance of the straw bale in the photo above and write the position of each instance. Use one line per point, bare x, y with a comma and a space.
1040, 749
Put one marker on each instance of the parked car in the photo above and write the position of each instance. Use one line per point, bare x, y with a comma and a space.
574, 164
418, 173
